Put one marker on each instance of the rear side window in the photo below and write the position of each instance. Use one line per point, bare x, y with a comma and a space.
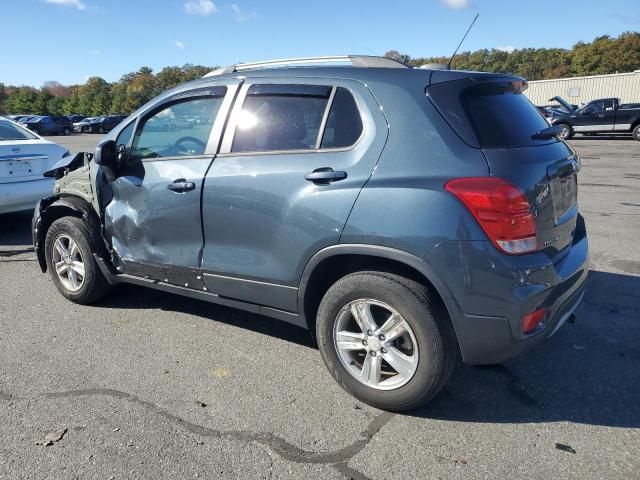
297, 117
491, 114
281, 117
344, 125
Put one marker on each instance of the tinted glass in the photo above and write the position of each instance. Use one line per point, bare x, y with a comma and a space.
9, 131
594, 107
174, 130
344, 125
489, 115
280, 117
124, 137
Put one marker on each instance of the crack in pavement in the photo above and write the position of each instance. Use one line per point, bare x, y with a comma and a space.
338, 458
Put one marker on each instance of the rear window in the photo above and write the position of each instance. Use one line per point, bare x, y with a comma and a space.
489, 115
10, 131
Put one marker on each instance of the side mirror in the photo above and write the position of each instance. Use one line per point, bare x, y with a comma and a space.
106, 154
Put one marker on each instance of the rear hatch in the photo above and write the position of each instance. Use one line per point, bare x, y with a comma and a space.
491, 113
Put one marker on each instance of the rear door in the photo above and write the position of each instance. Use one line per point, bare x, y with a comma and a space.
294, 157
153, 220
495, 116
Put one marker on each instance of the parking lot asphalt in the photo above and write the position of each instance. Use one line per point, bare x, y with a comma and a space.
149, 385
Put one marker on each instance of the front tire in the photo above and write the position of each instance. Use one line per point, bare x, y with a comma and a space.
636, 132
385, 340
567, 131
69, 255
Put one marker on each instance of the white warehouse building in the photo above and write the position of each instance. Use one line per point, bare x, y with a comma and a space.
577, 90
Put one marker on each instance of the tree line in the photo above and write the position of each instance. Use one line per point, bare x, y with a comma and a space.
96, 96
603, 55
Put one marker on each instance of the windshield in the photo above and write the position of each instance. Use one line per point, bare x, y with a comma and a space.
11, 131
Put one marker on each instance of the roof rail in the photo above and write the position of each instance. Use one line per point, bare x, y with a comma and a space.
360, 61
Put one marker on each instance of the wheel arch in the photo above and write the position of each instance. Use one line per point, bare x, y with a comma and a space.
50, 209
332, 263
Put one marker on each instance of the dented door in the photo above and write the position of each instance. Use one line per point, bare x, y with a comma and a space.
153, 220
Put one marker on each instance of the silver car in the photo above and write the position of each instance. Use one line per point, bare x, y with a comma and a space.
24, 157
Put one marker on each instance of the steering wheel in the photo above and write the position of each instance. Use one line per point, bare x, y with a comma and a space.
180, 149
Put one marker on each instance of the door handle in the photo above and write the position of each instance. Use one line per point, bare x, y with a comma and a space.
181, 186
601, 115
325, 175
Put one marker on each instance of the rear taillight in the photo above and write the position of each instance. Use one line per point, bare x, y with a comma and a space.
531, 321
501, 209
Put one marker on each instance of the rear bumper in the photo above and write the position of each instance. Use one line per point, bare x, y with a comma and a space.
22, 196
491, 293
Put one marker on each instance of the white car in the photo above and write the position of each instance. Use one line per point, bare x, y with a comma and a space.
24, 157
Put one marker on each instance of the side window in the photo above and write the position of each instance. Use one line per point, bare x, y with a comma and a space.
344, 125
124, 137
180, 128
281, 117
595, 107
608, 105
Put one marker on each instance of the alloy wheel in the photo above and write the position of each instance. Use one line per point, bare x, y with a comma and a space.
68, 263
375, 344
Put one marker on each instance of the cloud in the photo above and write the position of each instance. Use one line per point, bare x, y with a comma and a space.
241, 15
95, 52
200, 7
180, 45
68, 3
456, 4
508, 49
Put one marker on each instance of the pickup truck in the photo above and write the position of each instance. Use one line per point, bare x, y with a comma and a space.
605, 115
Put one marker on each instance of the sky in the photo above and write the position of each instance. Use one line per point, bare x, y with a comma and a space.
71, 40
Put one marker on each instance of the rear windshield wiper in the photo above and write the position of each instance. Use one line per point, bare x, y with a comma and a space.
547, 133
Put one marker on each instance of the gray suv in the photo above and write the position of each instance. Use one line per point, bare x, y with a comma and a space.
403, 215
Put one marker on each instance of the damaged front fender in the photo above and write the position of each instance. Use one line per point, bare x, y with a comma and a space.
74, 195
49, 209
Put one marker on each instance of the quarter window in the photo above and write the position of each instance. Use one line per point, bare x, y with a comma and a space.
180, 128
124, 137
344, 125
281, 117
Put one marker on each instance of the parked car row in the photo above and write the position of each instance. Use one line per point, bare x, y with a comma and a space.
102, 124
65, 125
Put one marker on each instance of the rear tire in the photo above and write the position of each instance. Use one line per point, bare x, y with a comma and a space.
424, 367
636, 132
66, 131
69, 254
101, 129
567, 131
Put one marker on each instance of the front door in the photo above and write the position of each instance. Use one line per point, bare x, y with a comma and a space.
153, 221
292, 162
598, 116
